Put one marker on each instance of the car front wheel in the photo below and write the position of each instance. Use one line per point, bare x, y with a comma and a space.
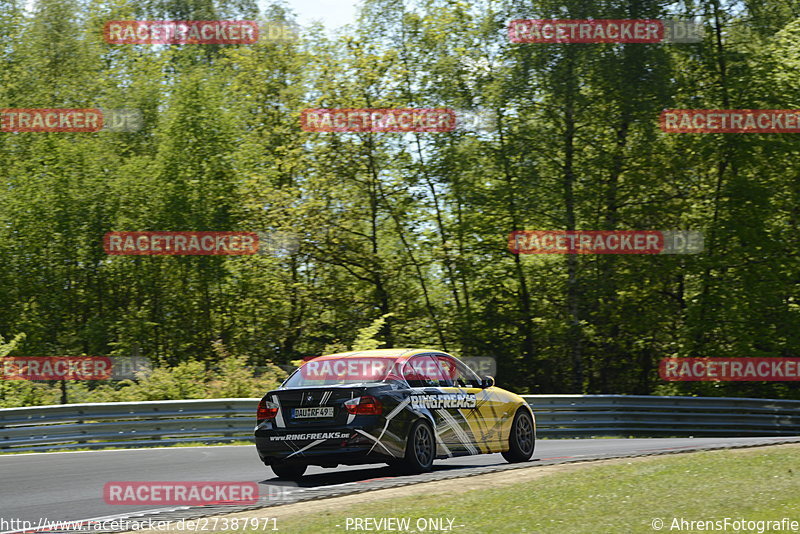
522, 439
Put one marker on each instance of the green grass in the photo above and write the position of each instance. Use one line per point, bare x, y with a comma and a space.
753, 484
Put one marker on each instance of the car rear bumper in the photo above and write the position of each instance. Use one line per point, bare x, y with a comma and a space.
325, 447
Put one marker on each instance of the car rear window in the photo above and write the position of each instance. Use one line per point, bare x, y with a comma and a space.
333, 371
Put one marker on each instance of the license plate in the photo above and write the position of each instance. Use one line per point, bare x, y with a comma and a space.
318, 411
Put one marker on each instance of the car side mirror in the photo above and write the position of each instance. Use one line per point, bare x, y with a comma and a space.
487, 382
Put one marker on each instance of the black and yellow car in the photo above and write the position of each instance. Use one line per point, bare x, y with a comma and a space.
404, 407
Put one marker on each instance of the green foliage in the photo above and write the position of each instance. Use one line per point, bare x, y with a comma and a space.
14, 393
186, 380
229, 377
22, 392
233, 378
366, 336
408, 228
7, 346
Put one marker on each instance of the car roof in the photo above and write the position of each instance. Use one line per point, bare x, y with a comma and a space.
394, 354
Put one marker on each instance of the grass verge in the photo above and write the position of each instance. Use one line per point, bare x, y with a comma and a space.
616, 496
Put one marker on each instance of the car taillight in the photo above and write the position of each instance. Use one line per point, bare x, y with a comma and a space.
366, 405
266, 410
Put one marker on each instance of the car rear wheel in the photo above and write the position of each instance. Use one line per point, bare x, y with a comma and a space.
420, 449
288, 471
522, 439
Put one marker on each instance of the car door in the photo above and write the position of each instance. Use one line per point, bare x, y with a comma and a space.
489, 417
429, 393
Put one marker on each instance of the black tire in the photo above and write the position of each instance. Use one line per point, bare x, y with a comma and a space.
289, 471
522, 440
420, 449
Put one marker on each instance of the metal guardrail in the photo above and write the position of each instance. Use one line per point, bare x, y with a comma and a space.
126, 424
149, 423
560, 416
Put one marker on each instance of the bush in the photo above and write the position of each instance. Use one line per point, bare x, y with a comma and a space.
230, 376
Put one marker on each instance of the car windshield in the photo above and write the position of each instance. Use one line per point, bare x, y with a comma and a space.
325, 371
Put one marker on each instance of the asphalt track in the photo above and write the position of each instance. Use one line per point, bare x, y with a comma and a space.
69, 485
